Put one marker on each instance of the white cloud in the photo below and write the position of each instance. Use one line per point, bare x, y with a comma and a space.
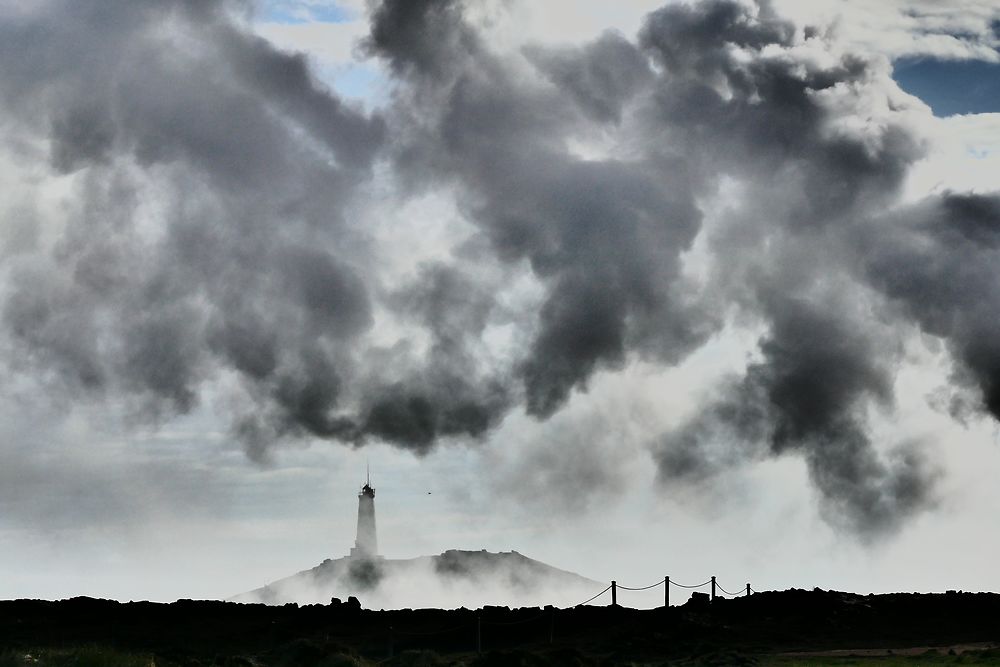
964, 155
897, 28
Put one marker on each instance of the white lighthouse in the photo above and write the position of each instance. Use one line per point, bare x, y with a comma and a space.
366, 544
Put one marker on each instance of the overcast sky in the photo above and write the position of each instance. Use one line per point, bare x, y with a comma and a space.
634, 289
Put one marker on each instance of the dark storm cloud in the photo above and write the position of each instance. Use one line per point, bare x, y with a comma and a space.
786, 257
808, 394
421, 36
605, 236
601, 76
695, 39
449, 393
763, 118
207, 236
936, 261
206, 230
206, 240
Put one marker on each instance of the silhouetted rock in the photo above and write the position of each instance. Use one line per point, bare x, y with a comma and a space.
736, 632
698, 601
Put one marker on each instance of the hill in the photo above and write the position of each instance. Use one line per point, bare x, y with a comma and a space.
449, 580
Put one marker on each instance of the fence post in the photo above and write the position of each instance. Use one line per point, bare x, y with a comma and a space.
390, 641
748, 590
479, 634
713, 588
614, 593
552, 624
666, 592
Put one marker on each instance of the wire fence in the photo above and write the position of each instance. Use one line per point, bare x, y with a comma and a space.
716, 590
704, 583
580, 604
641, 588
719, 586
407, 637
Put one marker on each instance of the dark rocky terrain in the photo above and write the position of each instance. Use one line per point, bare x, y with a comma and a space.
766, 628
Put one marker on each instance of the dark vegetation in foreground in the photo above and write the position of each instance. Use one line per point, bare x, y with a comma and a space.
788, 628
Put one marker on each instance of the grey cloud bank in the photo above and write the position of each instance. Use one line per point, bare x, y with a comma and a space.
181, 222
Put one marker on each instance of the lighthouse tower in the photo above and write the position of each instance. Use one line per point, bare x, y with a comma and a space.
366, 545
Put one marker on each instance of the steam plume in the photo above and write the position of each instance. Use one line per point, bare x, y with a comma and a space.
208, 240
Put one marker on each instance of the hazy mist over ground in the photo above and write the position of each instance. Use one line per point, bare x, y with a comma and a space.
573, 276
451, 580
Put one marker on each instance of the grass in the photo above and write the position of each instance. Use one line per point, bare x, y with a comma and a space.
83, 656
931, 657
101, 656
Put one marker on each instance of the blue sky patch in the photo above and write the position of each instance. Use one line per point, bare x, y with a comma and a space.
951, 87
302, 11
359, 82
